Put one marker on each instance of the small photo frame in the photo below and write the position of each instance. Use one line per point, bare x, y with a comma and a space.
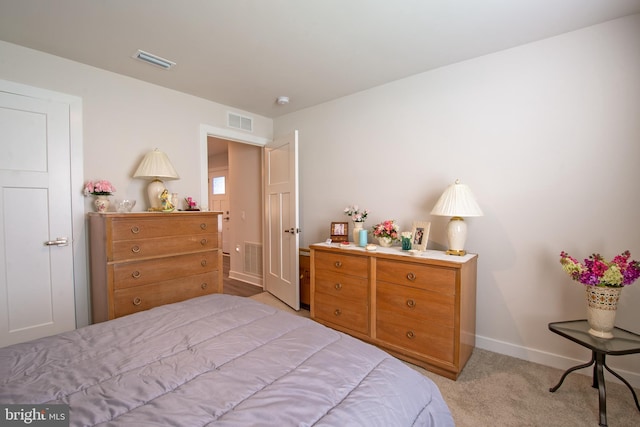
340, 231
420, 235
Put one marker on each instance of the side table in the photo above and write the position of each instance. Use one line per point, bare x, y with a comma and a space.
623, 342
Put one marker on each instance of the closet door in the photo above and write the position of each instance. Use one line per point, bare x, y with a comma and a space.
36, 257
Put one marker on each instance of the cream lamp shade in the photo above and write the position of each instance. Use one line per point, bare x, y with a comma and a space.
155, 165
457, 201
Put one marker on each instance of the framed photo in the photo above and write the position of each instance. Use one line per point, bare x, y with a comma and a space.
420, 235
340, 231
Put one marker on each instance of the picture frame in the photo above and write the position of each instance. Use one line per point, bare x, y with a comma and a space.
420, 235
340, 231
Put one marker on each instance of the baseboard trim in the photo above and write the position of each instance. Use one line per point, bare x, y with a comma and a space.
555, 360
246, 278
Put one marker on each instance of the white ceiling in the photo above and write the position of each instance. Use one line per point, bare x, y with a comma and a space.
246, 53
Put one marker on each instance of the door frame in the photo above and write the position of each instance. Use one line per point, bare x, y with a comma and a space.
79, 236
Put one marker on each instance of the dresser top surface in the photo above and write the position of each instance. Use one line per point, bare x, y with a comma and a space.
431, 255
152, 214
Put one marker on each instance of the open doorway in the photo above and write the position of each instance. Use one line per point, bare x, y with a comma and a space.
234, 171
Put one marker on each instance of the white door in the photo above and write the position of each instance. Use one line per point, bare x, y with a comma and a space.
36, 273
281, 220
219, 202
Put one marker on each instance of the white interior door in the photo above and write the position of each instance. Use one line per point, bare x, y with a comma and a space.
282, 220
36, 257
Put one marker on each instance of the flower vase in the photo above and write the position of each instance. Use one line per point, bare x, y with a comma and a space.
101, 203
602, 303
385, 242
357, 226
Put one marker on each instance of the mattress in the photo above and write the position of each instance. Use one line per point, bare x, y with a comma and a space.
218, 360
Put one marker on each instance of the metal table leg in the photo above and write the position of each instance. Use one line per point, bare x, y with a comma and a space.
575, 368
598, 382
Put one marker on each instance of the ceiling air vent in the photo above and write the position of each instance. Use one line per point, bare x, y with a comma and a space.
240, 122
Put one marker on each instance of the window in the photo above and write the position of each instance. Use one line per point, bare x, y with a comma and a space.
218, 185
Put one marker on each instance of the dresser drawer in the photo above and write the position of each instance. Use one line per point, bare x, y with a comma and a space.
431, 340
341, 285
140, 273
348, 313
433, 278
341, 263
132, 300
421, 306
177, 224
162, 246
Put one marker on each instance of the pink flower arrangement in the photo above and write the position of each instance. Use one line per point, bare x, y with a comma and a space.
191, 204
596, 271
386, 228
99, 188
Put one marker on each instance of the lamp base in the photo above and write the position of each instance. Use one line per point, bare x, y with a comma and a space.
155, 188
457, 235
456, 252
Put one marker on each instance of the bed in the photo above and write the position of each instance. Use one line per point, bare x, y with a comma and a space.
218, 360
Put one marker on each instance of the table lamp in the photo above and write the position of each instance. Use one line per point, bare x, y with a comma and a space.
457, 201
155, 165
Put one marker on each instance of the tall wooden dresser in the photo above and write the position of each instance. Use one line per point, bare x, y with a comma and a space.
143, 260
421, 309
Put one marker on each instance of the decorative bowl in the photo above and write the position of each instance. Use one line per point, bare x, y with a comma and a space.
125, 205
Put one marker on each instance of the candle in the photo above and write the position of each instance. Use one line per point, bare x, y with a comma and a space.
363, 238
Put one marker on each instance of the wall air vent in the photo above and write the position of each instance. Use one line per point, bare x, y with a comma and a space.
239, 122
153, 59
253, 258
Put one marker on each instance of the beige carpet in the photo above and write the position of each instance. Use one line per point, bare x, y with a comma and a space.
496, 390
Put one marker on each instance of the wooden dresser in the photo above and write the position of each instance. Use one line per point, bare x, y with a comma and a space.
143, 260
421, 309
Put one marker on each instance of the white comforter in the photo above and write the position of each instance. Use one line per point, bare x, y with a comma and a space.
218, 360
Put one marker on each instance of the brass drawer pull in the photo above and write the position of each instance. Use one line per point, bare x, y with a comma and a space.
338, 312
338, 264
338, 286
411, 277
203, 226
203, 263
137, 301
135, 249
203, 286
411, 335
203, 242
135, 229
136, 274
411, 303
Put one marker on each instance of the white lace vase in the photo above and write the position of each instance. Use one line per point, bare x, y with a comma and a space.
602, 304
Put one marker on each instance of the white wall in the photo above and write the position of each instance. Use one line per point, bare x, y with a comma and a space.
123, 118
547, 136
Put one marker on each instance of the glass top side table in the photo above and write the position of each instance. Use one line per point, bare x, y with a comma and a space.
623, 342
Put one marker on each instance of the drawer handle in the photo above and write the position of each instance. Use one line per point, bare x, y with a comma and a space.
137, 301
411, 277
203, 226
135, 274
338, 312
203, 263
411, 303
338, 264
203, 242
135, 229
338, 286
203, 286
411, 335
135, 249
